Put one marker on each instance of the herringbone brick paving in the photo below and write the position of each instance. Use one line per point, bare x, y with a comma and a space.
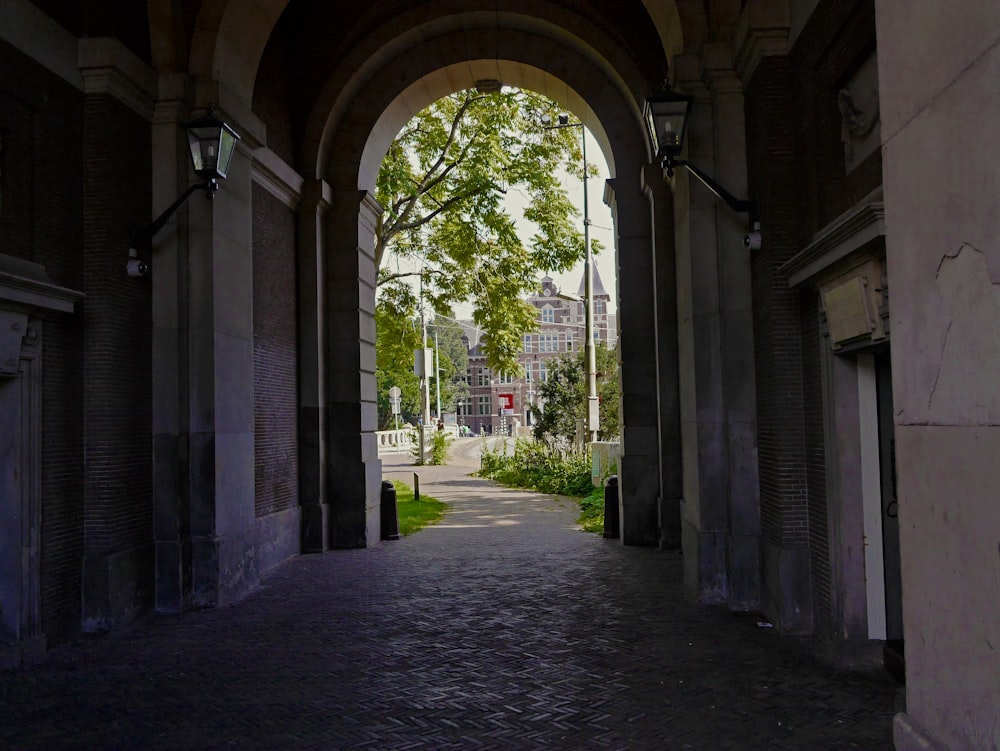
501, 628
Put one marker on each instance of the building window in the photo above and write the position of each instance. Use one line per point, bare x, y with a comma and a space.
485, 405
543, 373
463, 408
548, 315
483, 378
599, 307
548, 343
505, 379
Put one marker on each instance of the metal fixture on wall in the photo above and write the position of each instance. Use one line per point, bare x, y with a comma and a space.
212, 143
666, 116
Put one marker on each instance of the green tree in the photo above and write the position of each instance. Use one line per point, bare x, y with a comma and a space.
453, 360
564, 397
398, 335
442, 185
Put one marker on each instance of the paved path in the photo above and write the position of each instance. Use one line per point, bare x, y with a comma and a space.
504, 627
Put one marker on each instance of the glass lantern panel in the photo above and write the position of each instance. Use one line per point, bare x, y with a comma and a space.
227, 145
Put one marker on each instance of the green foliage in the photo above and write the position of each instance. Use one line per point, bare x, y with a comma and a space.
592, 511
540, 467
564, 396
442, 184
415, 515
437, 447
398, 336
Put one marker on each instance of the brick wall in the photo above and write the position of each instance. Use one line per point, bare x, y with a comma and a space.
276, 476
777, 339
796, 166
117, 320
819, 532
41, 221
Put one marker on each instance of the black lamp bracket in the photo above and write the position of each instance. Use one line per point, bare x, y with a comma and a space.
149, 232
750, 206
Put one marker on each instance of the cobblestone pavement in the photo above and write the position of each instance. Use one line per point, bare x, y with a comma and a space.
504, 627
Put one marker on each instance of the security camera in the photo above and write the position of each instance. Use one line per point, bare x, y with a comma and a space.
135, 267
752, 240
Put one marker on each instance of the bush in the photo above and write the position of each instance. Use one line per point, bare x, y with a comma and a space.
437, 450
539, 467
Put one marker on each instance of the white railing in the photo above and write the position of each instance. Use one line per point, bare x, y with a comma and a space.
406, 437
403, 437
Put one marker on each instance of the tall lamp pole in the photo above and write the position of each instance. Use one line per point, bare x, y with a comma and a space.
589, 351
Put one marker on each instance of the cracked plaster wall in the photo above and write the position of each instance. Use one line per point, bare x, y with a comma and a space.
942, 178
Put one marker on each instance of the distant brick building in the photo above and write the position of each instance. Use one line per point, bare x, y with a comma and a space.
561, 330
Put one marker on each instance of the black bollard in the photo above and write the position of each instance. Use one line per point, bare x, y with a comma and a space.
611, 523
389, 515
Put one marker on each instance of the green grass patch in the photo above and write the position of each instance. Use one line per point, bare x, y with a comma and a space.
592, 511
415, 515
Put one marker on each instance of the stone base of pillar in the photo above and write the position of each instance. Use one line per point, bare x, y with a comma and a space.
744, 572
638, 481
705, 565
13, 656
908, 735
315, 522
117, 588
224, 569
786, 597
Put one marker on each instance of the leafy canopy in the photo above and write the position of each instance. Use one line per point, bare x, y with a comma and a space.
443, 185
563, 397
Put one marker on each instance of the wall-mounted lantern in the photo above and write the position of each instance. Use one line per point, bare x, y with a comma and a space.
212, 143
666, 115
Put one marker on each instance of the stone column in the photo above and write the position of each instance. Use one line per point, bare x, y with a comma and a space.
739, 391
639, 465
313, 417
665, 290
720, 515
169, 355
220, 379
355, 471
203, 368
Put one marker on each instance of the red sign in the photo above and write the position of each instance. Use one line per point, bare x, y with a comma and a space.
506, 402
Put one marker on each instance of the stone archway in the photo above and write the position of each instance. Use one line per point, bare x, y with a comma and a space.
381, 79
356, 134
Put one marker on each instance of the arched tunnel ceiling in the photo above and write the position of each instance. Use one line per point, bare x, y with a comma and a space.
323, 47
325, 32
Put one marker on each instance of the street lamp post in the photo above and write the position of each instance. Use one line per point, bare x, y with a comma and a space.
590, 354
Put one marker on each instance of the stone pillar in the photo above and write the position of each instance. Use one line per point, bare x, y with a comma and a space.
639, 471
739, 391
220, 379
203, 369
943, 257
665, 283
720, 517
313, 417
355, 471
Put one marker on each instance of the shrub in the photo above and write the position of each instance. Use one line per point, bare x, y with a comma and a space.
437, 452
540, 467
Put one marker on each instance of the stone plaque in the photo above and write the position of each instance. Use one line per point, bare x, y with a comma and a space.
848, 313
